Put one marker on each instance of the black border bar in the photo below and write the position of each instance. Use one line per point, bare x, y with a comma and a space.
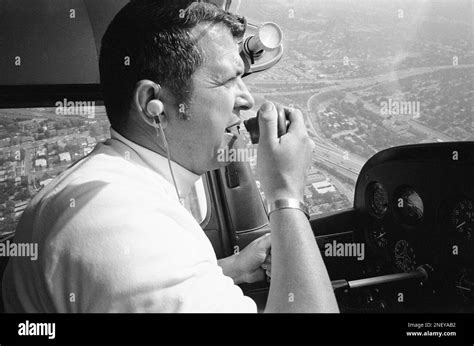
136, 329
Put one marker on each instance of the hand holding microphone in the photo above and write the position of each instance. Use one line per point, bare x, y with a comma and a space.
253, 128
283, 158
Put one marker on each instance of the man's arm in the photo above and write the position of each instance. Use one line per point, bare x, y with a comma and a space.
230, 269
300, 282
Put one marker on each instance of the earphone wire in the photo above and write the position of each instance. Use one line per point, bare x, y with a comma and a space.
169, 160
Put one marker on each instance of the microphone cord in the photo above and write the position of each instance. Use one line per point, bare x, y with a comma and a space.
169, 161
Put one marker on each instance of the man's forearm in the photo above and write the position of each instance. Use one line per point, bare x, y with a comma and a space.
300, 282
230, 269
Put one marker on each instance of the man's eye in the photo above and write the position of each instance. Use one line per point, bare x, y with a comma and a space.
229, 82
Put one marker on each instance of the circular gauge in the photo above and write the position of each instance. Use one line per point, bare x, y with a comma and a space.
378, 237
409, 205
462, 219
378, 199
405, 258
465, 285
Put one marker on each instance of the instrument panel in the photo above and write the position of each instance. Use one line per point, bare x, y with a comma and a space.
416, 206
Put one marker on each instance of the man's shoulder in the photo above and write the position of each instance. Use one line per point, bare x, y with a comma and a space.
96, 188
103, 175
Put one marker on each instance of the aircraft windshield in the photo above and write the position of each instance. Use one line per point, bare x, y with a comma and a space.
368, 75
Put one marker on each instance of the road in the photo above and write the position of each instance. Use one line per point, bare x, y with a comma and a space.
350, 164
394, 76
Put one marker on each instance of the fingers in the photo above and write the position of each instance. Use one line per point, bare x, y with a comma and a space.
256, 276
297, 125
265, 243
281, 111
266, 266
267, 269
268, 122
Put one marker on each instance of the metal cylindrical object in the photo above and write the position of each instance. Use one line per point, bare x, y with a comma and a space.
378, 280
253, 127
268, 38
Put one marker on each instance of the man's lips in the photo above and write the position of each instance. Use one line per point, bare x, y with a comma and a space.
235, 128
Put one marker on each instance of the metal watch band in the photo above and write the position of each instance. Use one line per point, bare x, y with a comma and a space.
288, 203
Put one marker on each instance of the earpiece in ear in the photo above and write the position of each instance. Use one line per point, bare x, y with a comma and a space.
155, 108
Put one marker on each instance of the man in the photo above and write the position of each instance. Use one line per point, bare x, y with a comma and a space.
112, 234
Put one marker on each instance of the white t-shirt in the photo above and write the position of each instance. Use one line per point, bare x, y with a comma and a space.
113, 237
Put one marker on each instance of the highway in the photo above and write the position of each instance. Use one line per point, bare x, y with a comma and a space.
350, 164
326, 153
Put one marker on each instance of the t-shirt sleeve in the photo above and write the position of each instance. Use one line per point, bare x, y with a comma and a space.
128, 256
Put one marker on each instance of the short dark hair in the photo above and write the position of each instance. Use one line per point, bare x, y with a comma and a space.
154, 36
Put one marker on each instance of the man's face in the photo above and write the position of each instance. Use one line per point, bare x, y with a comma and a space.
219, 95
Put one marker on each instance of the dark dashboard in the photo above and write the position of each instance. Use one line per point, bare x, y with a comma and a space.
414, 210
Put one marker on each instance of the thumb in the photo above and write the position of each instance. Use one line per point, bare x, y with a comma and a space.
268, 122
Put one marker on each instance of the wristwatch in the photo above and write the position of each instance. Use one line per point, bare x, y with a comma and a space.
287, 203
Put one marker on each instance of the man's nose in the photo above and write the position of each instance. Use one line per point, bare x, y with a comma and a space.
244, 100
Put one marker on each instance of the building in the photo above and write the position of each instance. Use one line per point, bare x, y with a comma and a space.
91, 141
29, 125
65, 157
314, 176
41, 151
324, 187
41, 163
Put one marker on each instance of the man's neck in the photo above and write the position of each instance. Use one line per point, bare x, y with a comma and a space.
144, 138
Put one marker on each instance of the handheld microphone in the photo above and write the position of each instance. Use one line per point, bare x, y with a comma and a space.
253, 127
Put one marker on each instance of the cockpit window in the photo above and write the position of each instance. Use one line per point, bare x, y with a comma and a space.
38, 144
367, 75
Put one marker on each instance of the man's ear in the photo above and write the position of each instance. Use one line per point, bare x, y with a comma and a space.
145, 92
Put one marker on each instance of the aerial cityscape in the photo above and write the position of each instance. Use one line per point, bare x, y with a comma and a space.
367, 75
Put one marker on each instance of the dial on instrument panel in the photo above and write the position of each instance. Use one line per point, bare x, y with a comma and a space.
462, 219
378, 199
379, 237
409, 205
465, 285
